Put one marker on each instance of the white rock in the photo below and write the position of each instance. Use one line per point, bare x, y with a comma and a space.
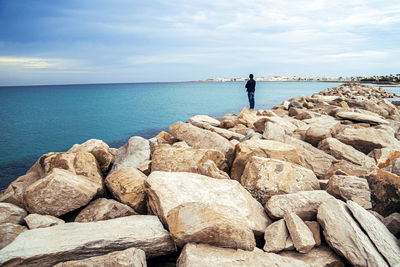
41, 221
302, 237
276, 236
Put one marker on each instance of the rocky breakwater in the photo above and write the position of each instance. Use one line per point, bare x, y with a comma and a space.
312, 182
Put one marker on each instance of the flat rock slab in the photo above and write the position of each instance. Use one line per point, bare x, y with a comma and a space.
74, 241
302, 237
34, 221
167, 190
344, 235
356, 116
10, 213
317, 257
384, 241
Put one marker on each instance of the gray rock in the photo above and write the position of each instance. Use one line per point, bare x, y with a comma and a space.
8, 232
41, 221
303, 239
10, 213
276, 236
392, 222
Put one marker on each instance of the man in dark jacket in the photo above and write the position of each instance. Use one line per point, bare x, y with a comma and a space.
251, 88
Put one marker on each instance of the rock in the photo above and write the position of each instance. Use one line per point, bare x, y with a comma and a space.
323, 184
199, 138
100, 150
8, 232
367, 139
204, 119
367, 105
305, 204
384, 156
377, 215
265, 177
284, 123
346, 168
273, 131
263, 148
132, 154
104, 209
208, 168
145, 167
250, 134
385, 191
356, 116
35, 220
317, 257
303, 239
206, 255
248, 116
289, 244
167, 190
396, 166
127, 186
383, 240
344, 235
197, 222
341, 151
314, 135
276, 236
161, 138
315, 230
230, 135
392, 223
10, 213
350, 188
74, 241
131, 257
48, 195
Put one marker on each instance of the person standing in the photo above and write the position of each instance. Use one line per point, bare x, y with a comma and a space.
251, 88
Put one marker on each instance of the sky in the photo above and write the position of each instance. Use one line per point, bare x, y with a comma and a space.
101, 41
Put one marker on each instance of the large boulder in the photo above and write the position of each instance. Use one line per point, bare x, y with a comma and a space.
266, 149
344, 235
271, 117
305, 204
104, 209
276, 236
8, 232
59, 193
199, 138
35, 220
317, 257
127, 186
10, 213
347, 168
131, 257
132, 154
302, 237
356, 116
265, 177
74, 241
384, 241
167, 190
207, 256
197, 222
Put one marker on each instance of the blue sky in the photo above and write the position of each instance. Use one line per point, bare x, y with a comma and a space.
88, 41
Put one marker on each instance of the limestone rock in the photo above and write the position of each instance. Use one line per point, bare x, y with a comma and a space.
317, 257
341, 151
127, 186
132, 154
208, 168
74, 241
207, 256
204, 118
396, 166
199, 138
305, 204
49, 195
230, 135
167, 190
35, 220
10, 213
273, 131
350, 188
392, 223
356, 116
99, 149
8, 232
265, 177
145, 167
197, 222
384, 156
303, 239
248, 116
276, 236
104, 209
383, 240
315, 230
263, 148
271, 117
289, 244
314, 135
346, 168
344, 235
131, 257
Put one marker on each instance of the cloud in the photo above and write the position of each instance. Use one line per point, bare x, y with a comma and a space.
32, 63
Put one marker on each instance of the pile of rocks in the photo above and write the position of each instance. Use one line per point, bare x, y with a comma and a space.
252, 189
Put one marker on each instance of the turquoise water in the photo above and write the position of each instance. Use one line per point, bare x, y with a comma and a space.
35, 120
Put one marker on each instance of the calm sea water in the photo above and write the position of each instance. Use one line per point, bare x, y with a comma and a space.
35, 120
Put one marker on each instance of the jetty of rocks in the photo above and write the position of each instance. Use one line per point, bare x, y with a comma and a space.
314, 181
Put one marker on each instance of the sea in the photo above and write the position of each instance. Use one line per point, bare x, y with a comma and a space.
35, 120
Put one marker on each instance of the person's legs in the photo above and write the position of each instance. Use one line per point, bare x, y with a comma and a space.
251, 99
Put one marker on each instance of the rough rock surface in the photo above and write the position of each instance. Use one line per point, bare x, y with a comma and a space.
315, 230
8, 232
208, 168
273, 131
384, 157
48, 195
132, 154
104, 209
346, 168
265, 177
356, 116
206, 255
204, 119
276, 236
344, 235
127, 186
10, 213
317, 257
392, 223
131, 257
167, 190
305, 204
74, 241
196, 222
35, 220
383, 240
302, 237
263, 148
